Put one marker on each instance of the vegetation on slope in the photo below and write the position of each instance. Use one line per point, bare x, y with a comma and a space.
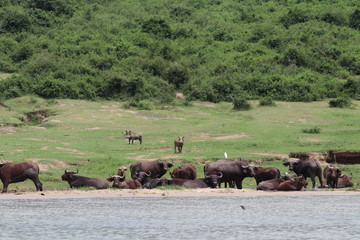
213, 50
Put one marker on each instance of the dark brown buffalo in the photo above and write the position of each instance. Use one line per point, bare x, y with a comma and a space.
293, 185
133, 136
156, 182
186, 171
144, 177
76, 181
157, 169
344, 181
19, 172
122, 183
179, 143
263, 174
307, 168
196, 183
332, 174
272, 184
231, 170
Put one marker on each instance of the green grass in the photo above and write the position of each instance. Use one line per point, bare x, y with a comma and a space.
88, 135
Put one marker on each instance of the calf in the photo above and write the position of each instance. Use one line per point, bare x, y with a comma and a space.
263, 174
332, 174
344, 181
293, 185
179, 143
122, 183
80, 181
272, 184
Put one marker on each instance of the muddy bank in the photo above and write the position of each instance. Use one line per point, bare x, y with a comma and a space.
168, 193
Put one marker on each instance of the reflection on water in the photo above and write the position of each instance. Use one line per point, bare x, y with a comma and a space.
264, 217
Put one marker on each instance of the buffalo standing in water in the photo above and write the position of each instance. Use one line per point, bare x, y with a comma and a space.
19, 172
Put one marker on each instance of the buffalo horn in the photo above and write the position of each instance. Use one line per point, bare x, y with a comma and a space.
148, 174
220, 174
207, 175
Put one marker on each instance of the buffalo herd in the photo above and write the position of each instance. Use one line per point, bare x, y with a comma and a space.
151, 174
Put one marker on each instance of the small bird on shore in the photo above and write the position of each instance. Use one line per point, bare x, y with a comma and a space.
242, 206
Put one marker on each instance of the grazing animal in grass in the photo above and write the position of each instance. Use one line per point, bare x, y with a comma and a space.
332, 174
179, 143
133, 136
19, 172
76, 181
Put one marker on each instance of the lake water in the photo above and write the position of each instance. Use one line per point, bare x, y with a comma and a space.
264, 217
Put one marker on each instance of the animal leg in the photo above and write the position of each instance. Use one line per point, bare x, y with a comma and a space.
5, 186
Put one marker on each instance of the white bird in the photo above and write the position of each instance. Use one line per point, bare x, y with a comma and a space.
225, 155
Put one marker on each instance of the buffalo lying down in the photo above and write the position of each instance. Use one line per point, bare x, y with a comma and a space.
80, 181
19, 172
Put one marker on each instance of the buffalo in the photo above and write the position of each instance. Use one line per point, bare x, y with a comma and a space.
156, 182
186, 171
157, 168
272, 184
195, 183
76, 181
179, 143
263, 174
332, 174
230, 170
344, 181
122, 183
133, 136
308, 168
293, 185
19, 172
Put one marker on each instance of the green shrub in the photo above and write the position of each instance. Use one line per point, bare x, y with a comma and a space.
355, 19
157, 27
314, 130
241, 104
266, 101
341, 102
16, 20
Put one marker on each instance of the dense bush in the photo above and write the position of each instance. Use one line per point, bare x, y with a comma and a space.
266, 101
241, 104
341, 102
210, 50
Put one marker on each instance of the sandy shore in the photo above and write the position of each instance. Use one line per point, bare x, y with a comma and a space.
60, 194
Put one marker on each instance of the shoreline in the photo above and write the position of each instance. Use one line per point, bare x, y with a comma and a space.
121, 193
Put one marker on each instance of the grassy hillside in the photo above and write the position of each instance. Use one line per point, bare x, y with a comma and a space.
88, 135
212, 50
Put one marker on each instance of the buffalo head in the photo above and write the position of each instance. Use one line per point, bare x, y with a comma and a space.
293, 165
116, 179
213, 179
165, 165
68, 175
142, 176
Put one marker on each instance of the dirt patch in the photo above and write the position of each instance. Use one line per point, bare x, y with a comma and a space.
8, 130
311, 139
94, 128
70, 150
206, 136
277, 156
36, 116
53, 163
210, 105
